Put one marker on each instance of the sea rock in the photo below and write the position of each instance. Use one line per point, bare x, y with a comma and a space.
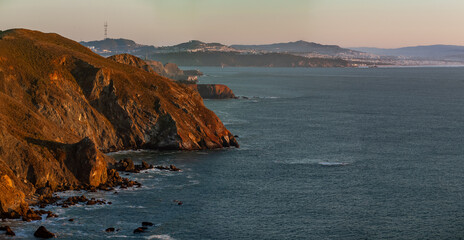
145, 166
213, 91
139, 230
111, 229
8, 231
62, 106
42, 232
169, 168
147, 224
126, 165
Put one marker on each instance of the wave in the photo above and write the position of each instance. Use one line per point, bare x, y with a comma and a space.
257, 97
316, 162
161, 236
333, 163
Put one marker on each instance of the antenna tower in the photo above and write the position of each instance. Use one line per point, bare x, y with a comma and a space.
106, 29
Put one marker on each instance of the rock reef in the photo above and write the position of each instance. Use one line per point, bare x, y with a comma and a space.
62, 106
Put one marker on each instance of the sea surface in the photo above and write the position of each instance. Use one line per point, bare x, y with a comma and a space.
325, 154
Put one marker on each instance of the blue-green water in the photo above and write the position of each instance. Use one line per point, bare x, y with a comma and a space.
325, 154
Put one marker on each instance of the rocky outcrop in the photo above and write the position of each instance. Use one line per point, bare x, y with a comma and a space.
172, 71
62, 105
133, 61
213, 91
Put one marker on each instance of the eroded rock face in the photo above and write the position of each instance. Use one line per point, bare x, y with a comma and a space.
213, 91
61, 106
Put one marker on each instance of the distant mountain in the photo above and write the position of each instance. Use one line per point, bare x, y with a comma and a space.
111, 46
197, 53
430, 52
196, 46
301, 47
237, 59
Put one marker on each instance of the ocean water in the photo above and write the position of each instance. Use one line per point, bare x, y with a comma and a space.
325, 154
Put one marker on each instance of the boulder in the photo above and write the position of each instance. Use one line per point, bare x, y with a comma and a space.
42, 232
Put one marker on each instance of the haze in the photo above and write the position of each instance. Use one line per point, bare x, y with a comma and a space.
349, 23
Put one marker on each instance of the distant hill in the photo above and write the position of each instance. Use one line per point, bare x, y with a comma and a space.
196, 46
235, 59
111, 46
198, 53
431, 52
298, 47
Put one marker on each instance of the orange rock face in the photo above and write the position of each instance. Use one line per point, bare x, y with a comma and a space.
61, 106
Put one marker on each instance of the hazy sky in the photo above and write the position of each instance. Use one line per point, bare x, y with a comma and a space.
349, 23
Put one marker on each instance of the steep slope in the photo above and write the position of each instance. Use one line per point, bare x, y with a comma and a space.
61, 105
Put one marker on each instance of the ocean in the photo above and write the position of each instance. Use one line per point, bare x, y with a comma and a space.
339, 153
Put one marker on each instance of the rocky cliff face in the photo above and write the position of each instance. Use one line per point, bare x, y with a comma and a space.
62, 105
213, 91
172, 71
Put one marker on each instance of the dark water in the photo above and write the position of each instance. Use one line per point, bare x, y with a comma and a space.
325, 154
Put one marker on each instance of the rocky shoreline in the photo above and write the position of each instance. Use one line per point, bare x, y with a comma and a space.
48, 197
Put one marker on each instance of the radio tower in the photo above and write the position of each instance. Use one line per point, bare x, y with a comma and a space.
106, 30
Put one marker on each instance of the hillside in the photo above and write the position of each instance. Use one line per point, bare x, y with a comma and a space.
196, 46
61, 106
197, 53
298, 47
112, 46
234, 59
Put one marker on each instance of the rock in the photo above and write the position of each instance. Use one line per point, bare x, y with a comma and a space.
213, 91
139, 230
110, 229
8, 230
147, 224
126, 165
146, 165
42, 232
178, 202
133, 61
173, 168
71, 220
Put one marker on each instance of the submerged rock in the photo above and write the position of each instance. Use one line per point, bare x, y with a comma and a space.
139, 230
147, 224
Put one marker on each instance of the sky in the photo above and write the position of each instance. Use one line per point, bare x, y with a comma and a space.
348, 23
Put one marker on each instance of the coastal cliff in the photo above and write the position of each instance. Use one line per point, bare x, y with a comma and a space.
213, 91
62, 106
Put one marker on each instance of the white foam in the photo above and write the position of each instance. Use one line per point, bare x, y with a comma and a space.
318, 161
333, 163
